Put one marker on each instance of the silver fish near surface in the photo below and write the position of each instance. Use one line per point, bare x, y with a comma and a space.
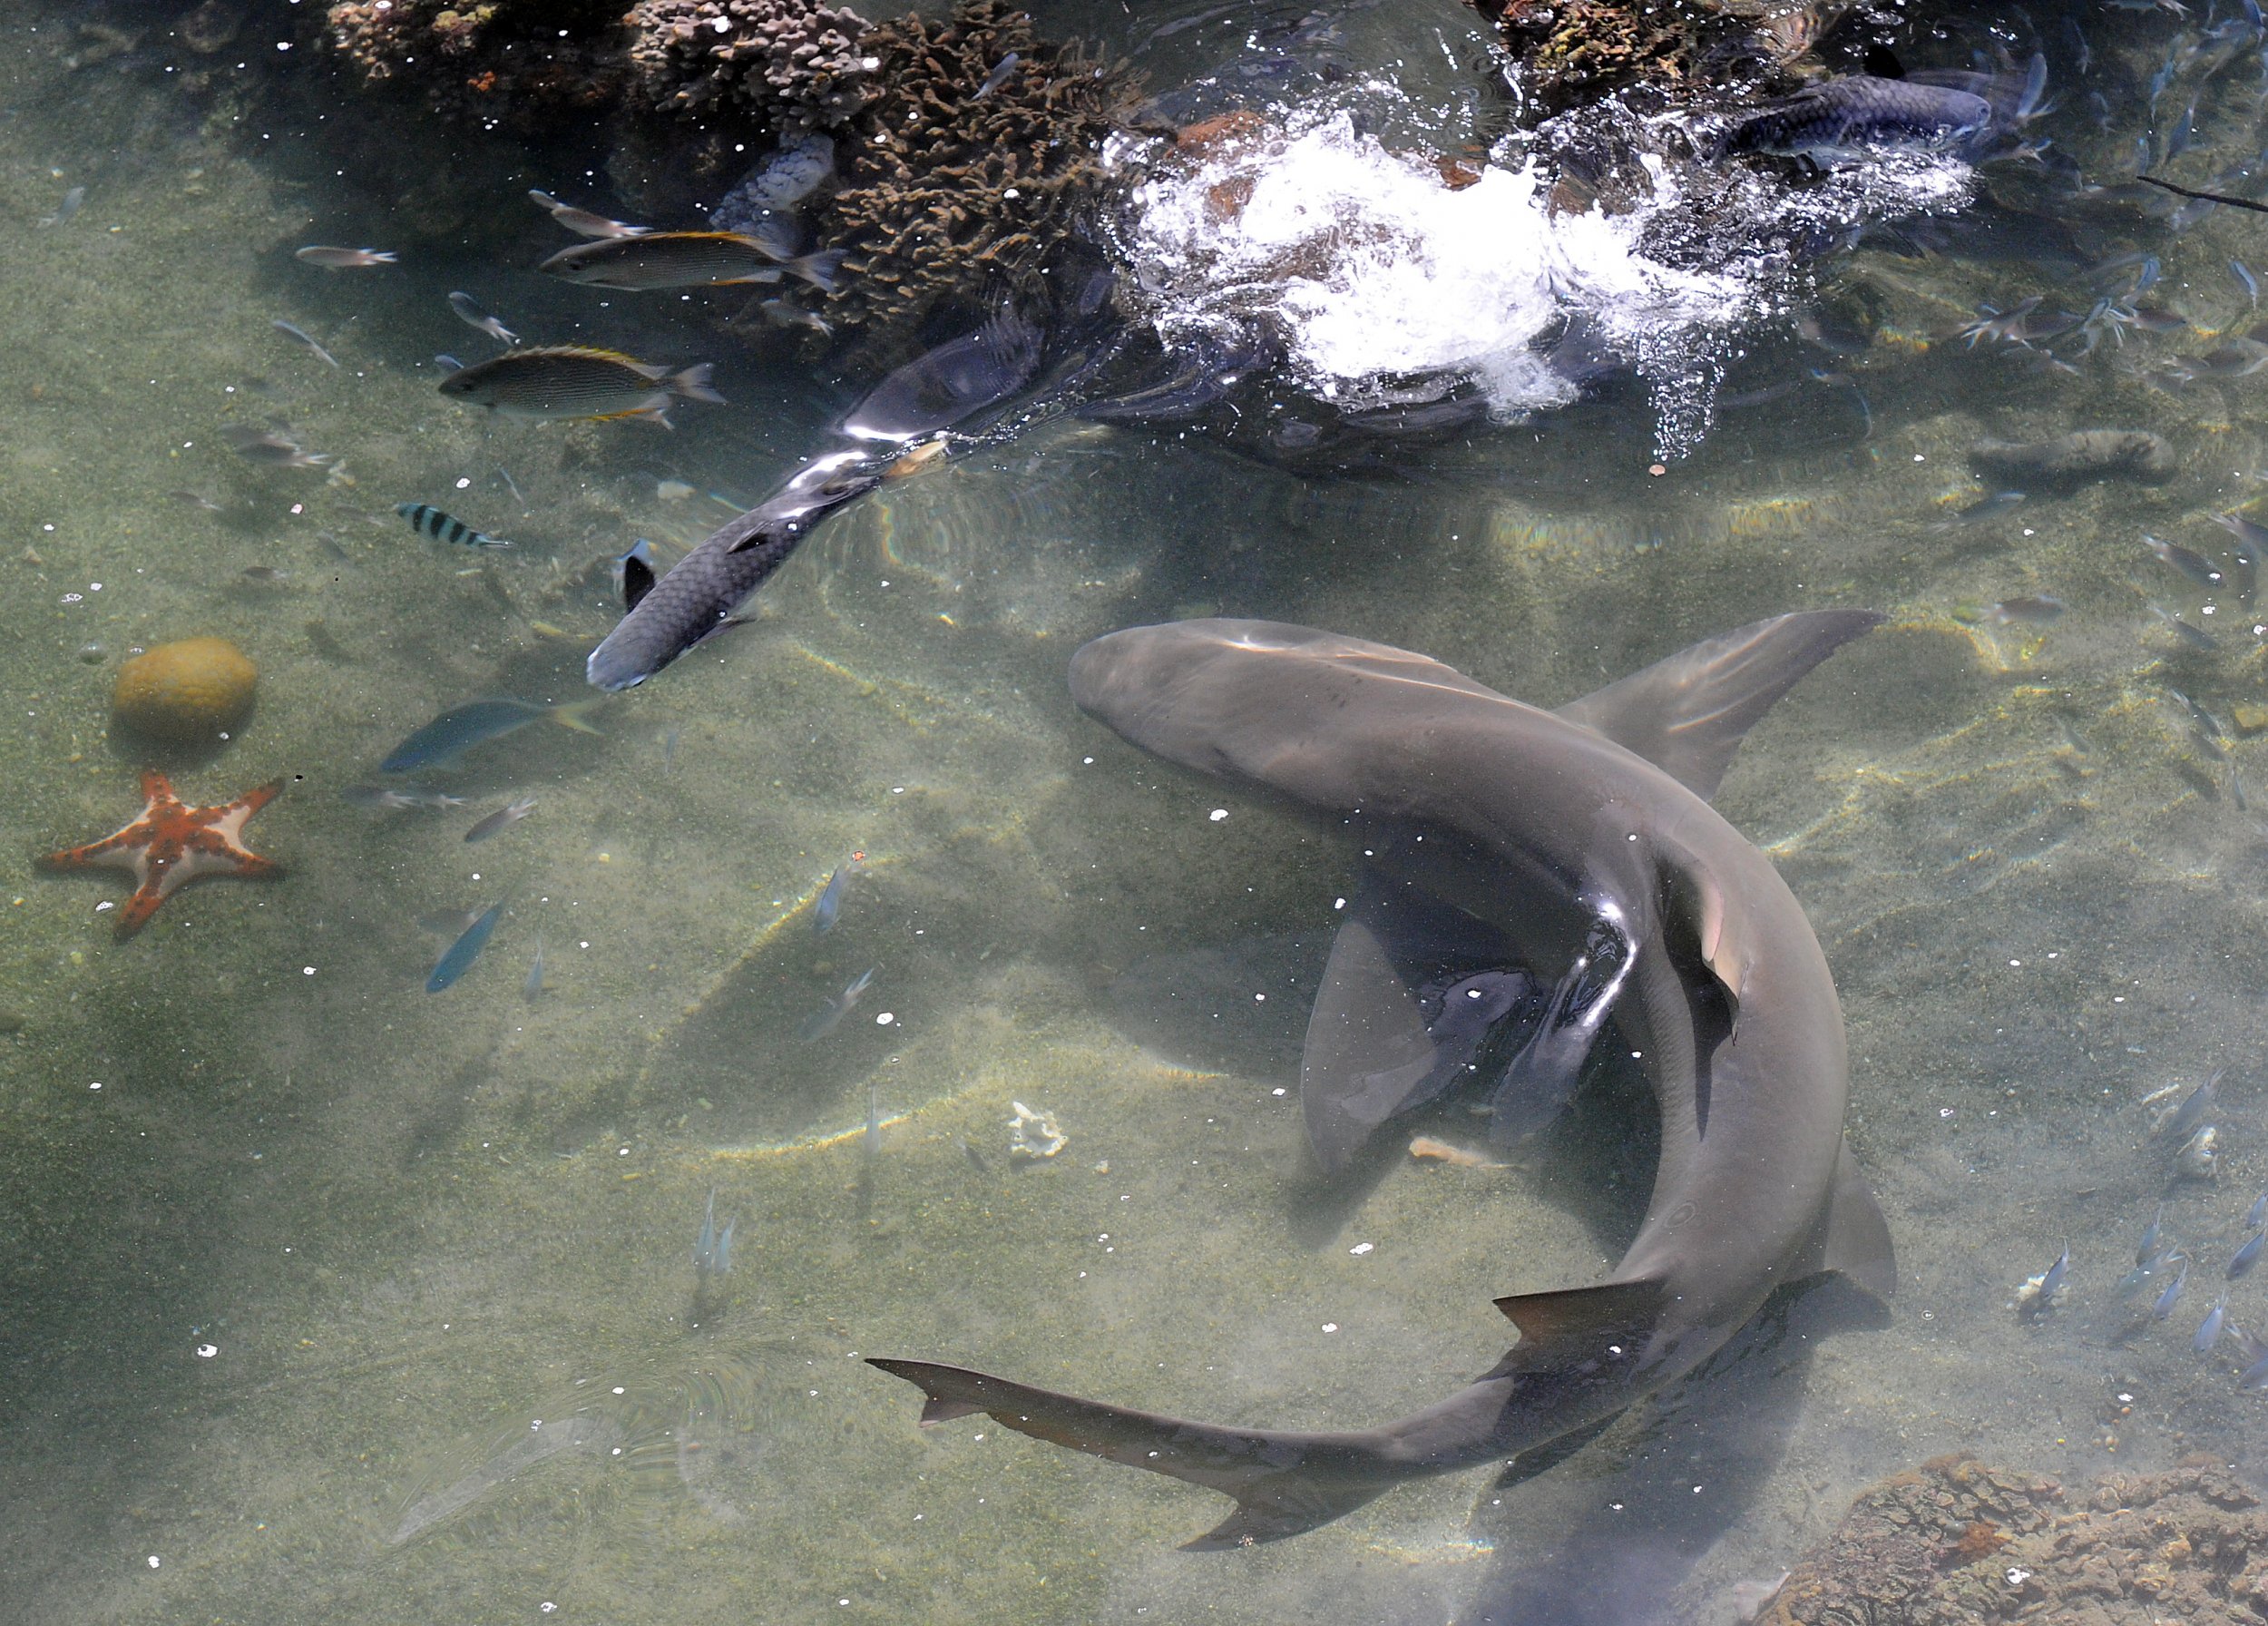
2166, 1300
822, 1022
2147, 1249
2209, 1329
712, 1249
469, 312
291, 330
2038, 1295
1000, 75
581, 221
270, 448
572, 381
2187, 560
343, 259
429, 521
2246, 1257
2177, 1118
829, 907
500, 820
2256, 1215
73, 201
394, 798
534, 985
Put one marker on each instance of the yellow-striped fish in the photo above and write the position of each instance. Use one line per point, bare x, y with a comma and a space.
570, 381
686, 259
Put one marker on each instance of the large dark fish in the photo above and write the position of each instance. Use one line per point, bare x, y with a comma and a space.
1858, 116
1585, 836
946, 387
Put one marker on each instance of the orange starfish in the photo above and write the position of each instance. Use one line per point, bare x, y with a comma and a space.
171, 844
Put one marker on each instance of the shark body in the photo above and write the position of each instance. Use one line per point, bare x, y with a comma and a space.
1581, 846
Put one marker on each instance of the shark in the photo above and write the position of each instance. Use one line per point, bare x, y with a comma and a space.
1597, 887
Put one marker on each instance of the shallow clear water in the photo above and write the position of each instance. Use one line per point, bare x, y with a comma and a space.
326, 1295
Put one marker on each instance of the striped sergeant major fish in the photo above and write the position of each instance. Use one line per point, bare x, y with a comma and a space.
429, 521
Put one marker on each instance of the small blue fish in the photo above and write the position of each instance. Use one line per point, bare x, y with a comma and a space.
821, 1022
2177, 142
458, 730
2172, 1296
997, 77
429, 521
829, 909
2246, 1257
2148, 1249
712, 1254
534, 985
2258, 1213
461, 954
2037, 1297
2243, 273
2209, 1329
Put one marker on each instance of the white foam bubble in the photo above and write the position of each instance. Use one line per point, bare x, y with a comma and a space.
1387, 286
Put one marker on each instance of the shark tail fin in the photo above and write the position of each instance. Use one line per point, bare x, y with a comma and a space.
1688, 714
1278, 1491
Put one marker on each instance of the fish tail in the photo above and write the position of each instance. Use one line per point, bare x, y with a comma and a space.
575, 715
820, 270
692, 383
1278, 1488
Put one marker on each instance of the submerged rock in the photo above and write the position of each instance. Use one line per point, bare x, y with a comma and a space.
2069, 461
1955, 1543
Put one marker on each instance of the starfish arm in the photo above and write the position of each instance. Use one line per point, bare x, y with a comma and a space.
111, 851
135, 913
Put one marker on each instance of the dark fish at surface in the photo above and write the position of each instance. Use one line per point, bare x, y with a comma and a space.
953, 386
429, 521
570, 381
2071, 461
1857, 115
458, 958
461, 728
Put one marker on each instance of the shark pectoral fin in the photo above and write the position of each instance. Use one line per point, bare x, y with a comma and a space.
1541, 1078
1853, 1239
1688, 715
1372, 1051
1288, 1508
1283, 1483
1564, 1329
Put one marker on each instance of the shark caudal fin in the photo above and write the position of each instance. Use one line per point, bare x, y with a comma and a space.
1283, 1484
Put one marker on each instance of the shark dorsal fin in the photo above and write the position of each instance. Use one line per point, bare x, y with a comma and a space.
1577, 1323
1688, 714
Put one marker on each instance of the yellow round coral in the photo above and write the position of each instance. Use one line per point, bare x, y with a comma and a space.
186, 693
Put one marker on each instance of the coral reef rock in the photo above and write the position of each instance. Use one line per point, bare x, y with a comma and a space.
794, 65
1578, 51
515, 63
1954, 1542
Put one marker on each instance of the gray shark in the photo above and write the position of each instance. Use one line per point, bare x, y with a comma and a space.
1583, 840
